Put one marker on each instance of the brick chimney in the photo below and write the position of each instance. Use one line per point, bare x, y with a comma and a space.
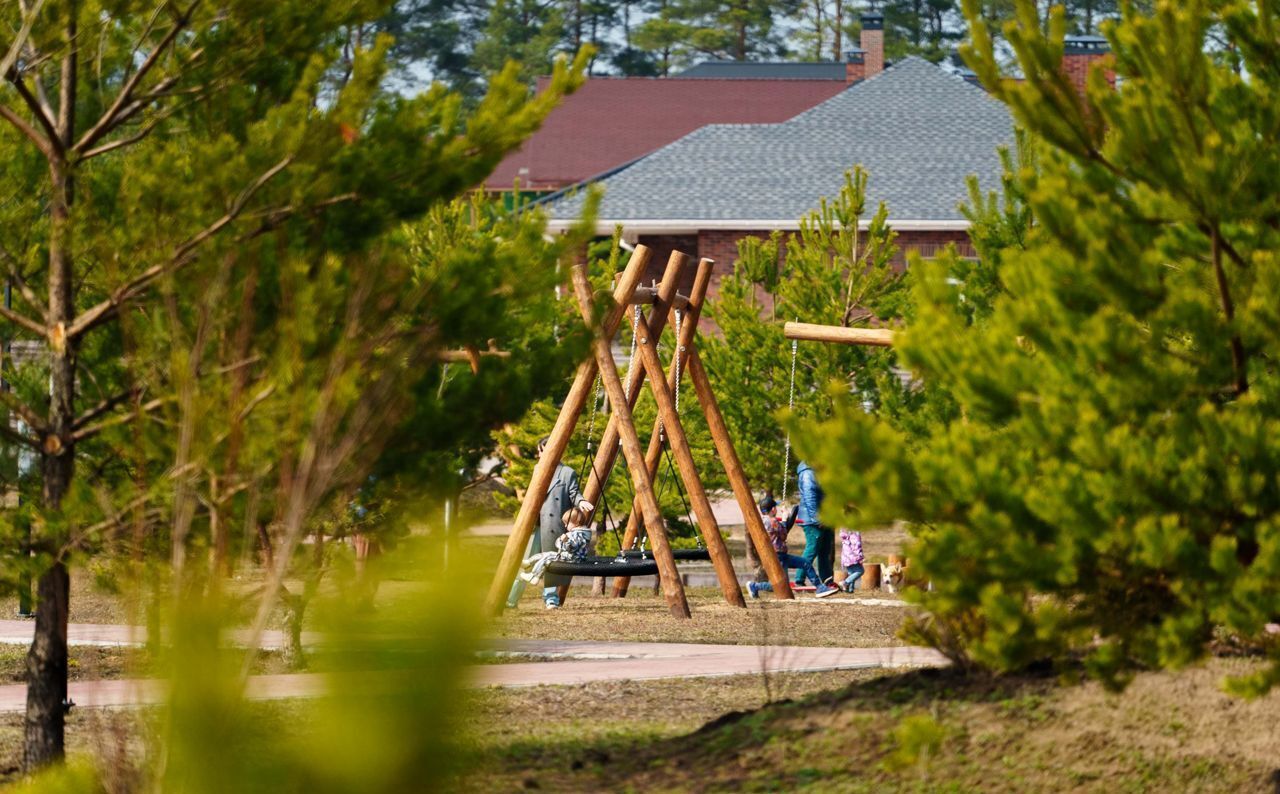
873, 43
855, 66
1078, 53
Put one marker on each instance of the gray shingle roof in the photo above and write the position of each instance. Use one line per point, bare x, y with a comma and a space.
755, 70
919, 132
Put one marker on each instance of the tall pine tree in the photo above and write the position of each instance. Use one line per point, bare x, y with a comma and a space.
1108, 488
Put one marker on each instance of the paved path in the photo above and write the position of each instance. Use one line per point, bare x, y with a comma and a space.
636, 661
573, 663
19, 632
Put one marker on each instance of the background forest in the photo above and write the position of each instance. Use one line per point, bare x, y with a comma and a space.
463, 42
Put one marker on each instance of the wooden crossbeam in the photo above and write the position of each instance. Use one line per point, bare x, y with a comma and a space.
558, 441
649, 295
810, 332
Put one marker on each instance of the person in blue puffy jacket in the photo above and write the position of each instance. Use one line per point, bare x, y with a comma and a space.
819, 539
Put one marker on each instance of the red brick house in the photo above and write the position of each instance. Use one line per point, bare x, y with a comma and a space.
612, 121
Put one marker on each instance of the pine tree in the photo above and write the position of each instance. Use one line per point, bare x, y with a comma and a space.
169, 155
687, 30
833, 271
1108, 489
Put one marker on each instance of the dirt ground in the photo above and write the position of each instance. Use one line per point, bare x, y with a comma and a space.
643, 617
913, 731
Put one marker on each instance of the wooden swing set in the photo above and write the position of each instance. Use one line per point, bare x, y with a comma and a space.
682, 312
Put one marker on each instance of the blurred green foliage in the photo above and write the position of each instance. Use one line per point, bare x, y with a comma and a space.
265, 260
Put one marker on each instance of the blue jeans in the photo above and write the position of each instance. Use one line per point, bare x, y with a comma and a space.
852, 574
819, 551
792, 561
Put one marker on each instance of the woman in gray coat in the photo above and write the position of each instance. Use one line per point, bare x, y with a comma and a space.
562, 494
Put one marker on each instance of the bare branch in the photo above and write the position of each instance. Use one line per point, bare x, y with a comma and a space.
38, 108
183, 255
20, 40
257, 400
113, 114
24, 412
11, 435
16, 278
42, 143
120, 143
229, 368
104, 407
118, 419
23, 320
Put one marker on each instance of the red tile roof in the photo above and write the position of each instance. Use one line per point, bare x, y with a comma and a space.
611, 121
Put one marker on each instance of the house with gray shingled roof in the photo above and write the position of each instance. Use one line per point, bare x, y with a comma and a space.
918, 130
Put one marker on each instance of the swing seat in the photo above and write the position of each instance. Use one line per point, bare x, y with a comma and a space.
604, 566
685, 555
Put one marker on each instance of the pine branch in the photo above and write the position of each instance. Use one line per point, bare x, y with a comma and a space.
18, 281
183, 255
20, 40
13, 436
125, 105
1239, 362
104, 407
42, 143
120, 143
17, 318
24, 412
92, 430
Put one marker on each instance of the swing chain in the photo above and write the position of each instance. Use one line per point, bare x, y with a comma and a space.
679, 356
791, 404
631, 359
595, 410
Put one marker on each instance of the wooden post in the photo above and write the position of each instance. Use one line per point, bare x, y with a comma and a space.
607, 453
672, 586
648, 350
737, 477
606, 456
579, 392
653, 457
875, 337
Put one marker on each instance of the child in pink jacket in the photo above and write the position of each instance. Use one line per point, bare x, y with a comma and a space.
851, 558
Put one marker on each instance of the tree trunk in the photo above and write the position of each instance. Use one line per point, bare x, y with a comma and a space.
837, 46
295, 608
47, 658
47, 671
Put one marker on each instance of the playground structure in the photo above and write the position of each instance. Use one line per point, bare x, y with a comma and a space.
682, 312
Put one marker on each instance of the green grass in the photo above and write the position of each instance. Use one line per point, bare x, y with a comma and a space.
929, 731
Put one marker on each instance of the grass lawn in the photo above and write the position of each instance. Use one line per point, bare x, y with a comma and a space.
913, 731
